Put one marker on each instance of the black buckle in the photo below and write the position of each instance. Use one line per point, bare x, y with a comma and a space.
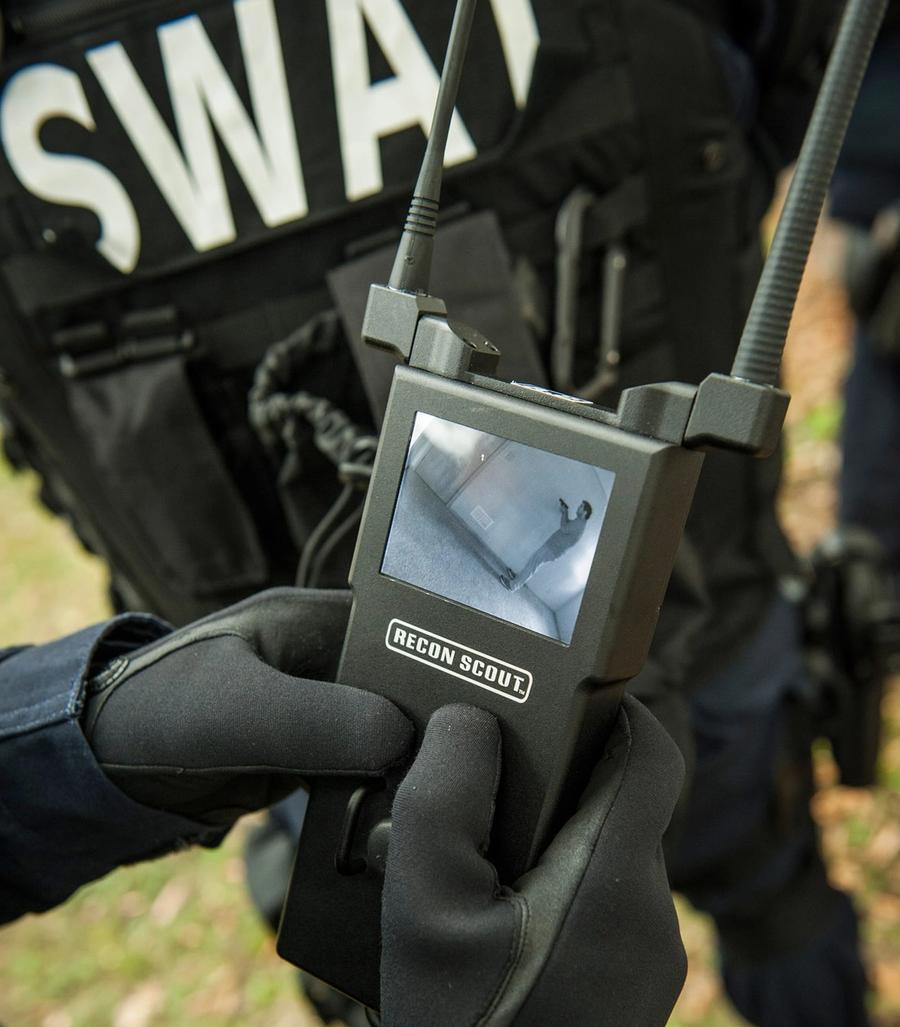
347, 860
570, 245
93, 347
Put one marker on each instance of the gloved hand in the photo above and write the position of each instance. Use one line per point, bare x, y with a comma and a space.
588, 937
221, 717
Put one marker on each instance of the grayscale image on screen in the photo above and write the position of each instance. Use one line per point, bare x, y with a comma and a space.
496, 525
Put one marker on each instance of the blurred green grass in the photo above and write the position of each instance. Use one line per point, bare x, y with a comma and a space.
170, 942
48, 585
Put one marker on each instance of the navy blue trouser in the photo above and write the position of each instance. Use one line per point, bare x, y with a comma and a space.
870, 476
747, 852
867, 181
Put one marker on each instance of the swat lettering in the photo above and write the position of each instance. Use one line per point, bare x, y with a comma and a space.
263, 144
459, 660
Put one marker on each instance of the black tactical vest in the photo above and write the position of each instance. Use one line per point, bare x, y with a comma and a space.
177, 178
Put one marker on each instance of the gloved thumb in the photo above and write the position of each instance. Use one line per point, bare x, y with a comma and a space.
214, 704
605, 868
443, 909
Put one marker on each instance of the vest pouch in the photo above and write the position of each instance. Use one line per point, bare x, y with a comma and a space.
150, 444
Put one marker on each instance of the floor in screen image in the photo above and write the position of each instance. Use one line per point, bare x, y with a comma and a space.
430, 548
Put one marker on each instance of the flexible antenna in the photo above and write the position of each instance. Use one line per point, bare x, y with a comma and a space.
412, 265
758, 357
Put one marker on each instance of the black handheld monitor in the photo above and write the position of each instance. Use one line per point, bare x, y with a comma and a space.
514, 552
516, 543
512, 555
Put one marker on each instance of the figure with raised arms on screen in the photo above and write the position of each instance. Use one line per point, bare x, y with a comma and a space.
560, 542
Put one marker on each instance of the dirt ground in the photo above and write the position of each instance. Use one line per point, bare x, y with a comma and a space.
174, 942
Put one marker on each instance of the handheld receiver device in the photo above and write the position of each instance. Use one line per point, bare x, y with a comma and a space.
516, 543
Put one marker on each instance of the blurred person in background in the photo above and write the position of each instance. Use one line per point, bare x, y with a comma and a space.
866, 197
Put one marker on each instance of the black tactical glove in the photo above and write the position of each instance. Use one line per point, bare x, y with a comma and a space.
589, 937
221, 717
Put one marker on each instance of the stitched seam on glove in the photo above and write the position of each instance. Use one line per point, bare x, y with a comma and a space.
520, 904
232, 768
142, 660
180, 641
501, 894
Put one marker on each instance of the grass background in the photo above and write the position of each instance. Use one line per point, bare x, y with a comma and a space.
175, 943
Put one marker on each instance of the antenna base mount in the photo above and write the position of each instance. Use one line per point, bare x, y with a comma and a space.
732, 413
392, 317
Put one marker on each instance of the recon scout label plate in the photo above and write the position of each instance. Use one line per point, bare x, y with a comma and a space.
460, 660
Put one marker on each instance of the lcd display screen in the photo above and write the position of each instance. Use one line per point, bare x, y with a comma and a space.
496, 525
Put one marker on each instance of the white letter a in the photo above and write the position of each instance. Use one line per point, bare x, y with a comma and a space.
369, 111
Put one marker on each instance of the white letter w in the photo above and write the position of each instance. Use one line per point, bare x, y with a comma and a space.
202, 93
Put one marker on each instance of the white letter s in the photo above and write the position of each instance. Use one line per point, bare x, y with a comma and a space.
35, 95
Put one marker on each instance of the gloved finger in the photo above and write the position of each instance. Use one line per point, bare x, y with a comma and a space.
634, 788
300, 631
215, 704
607, 861
613, 841
451, 787
653, 772
442, 905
